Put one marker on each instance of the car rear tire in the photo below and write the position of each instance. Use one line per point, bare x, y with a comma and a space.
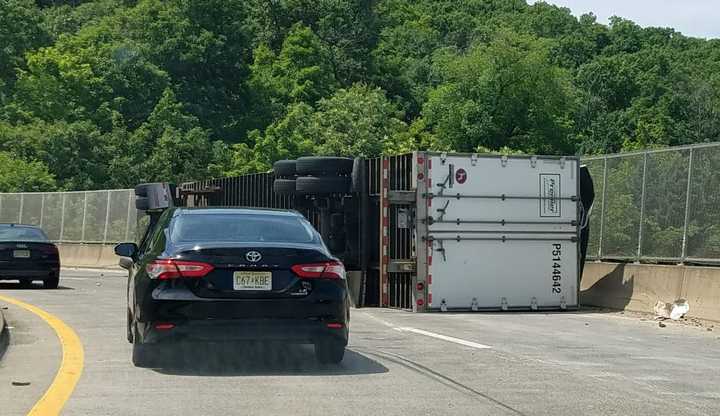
324, 166
322, 185
284, 186
146, 356
284, 168
329, 351
52, 282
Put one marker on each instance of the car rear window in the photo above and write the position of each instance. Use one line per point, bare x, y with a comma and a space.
241, 228
22, 234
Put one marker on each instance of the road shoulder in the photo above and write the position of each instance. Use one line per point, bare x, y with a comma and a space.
30, 362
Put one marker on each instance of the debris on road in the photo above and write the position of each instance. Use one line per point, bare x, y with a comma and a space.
674, 310
20, 383
662, 324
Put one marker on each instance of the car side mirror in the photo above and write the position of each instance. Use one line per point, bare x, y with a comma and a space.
126, 249
126, 263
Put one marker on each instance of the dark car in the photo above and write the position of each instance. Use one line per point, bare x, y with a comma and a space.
26, 254
231, 274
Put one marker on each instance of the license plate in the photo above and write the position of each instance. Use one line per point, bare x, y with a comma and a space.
21, 254
252, 280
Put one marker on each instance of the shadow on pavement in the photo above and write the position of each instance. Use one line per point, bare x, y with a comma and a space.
35, 285
208, 360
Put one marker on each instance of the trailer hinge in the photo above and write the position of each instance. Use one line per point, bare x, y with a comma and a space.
474, 305
503, 161
533, 304
443, 306
443, 157
503, 304
473, 159
562, 162
533, 161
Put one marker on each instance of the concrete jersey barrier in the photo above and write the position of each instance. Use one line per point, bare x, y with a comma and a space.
638, 287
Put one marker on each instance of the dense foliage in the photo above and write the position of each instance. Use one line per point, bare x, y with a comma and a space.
109, 93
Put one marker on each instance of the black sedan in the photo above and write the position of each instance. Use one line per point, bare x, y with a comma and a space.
26, 254
231, 274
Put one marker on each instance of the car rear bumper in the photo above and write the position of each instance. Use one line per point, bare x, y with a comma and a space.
39, 274
213, 330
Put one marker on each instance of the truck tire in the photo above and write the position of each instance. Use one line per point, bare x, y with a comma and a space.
322, 185
324, 166
284, 168
284, 186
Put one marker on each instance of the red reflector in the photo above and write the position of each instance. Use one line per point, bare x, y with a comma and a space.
420, 286
420, 302
326, 270
173, 269
164, 326
334, 326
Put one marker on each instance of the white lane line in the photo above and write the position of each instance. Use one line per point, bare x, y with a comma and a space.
459, 341
445, 338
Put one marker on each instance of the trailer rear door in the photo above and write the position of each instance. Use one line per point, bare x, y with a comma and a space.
502, 232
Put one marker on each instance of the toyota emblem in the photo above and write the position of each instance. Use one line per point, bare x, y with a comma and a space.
253, 256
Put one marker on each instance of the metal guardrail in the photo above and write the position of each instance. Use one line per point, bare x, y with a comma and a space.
657, 205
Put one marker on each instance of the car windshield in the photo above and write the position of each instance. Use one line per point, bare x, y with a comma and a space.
22, 234
241, 228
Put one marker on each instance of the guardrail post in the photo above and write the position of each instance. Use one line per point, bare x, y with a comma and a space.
107, 217
642, 208
62, 217
127, 219
602, 209
22, 202
82, 230
42, 209
683, 254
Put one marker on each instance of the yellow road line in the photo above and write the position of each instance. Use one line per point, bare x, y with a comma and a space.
70, 368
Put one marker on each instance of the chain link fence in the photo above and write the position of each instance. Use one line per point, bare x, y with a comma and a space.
657, 205
102, 217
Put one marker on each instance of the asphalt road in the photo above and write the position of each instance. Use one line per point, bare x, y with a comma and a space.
588, 363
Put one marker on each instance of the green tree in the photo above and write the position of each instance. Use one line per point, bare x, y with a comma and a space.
17, 175
506, 93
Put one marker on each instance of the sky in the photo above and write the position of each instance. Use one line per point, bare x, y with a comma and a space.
699, 18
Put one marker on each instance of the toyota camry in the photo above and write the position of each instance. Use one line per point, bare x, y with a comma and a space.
226, 274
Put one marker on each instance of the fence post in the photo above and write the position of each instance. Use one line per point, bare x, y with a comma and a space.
42, 209
22, 202
602, 208
642, 208
683, 254
127, 219
62, 217
107, 217
82, 230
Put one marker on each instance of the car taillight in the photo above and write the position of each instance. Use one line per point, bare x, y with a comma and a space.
173, 269
326, 270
